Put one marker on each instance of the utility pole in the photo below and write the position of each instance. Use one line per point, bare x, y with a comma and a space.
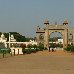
9, 40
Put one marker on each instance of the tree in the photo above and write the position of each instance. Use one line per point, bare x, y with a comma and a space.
18, 37
23, 46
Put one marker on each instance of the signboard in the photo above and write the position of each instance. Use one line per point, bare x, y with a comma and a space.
4, 49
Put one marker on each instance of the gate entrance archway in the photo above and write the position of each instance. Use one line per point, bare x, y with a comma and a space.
56, 39
42, 34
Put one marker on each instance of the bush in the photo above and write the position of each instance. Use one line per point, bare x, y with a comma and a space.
33, 50
23, 45
27, 51
9, 50
41, 47
23, 50
37, 49
29, 46
72, 49
69, 48
35, 46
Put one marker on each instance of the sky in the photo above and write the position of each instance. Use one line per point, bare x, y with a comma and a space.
23, 16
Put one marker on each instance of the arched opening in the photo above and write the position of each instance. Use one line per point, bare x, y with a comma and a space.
56, 40
41, 36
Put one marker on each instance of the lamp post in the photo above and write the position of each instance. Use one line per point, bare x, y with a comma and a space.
9, 40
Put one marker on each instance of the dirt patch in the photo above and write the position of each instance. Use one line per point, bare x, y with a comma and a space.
42, 62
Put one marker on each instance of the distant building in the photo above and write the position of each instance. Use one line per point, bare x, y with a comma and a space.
12, 41
2, 38
33, 42
3, 41
60, 41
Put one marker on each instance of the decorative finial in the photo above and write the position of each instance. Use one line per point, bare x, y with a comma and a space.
46, 22
65, 22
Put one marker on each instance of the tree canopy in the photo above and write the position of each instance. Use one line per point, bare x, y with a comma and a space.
17, 36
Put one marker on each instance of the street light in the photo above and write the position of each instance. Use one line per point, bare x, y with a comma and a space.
9, 40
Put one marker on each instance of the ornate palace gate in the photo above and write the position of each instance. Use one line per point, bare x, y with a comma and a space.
43, 34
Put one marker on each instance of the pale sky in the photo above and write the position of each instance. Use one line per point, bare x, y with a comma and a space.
23, 16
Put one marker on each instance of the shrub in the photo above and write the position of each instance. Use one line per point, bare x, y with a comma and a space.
35, 46
41, 47
23, 50
69, 48
23, 46
9, 50
33, 50
27, 51
72, 49
37, 49
29, 46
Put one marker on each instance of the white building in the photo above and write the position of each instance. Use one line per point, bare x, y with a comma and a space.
33, 42
12, 40
2, 38
60, 41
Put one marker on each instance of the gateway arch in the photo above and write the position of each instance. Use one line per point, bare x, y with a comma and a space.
42, 34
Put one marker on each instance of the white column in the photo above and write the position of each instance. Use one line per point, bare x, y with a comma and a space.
9, 40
